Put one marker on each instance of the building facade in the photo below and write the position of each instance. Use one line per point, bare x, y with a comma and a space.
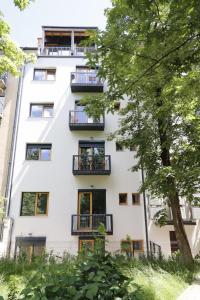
66, 177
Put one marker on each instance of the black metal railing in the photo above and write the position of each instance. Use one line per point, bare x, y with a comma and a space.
80, 120
86, 223
155, 249
91, 164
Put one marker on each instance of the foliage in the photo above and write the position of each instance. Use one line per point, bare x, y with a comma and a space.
161, 217
74, 277
22, 4
12, 57
149, 55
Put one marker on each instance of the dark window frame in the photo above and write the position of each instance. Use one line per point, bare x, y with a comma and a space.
46, 70
40, 147
43, 105
119, 147
137, 198
123, 203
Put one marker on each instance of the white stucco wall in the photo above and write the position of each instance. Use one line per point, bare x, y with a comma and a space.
56, 176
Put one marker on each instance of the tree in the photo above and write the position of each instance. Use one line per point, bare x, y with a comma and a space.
11, 57
149, 54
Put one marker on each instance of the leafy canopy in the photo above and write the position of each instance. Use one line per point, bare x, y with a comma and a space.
149, 55
11, 56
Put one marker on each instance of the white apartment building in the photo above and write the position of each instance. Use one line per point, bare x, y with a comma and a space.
66, 177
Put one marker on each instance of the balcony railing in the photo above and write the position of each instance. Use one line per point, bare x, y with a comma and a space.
85, 82
86, 223
187, 213
79, 120
66, 51
155, 249
91, 165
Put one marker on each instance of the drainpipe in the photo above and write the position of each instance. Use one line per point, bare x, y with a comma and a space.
145, 213
13, 151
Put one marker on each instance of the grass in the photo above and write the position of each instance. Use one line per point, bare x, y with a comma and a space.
153, 279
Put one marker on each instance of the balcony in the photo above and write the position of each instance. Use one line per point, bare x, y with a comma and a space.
189, 214
78, 120
91, 165
88, 224
66, 51
85, 82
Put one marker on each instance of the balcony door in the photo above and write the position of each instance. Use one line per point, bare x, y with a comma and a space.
92, 156
91, 208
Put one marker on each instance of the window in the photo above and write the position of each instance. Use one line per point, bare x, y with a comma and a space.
173, 242
117, 105
130, 247
30, 247
137, 246
34, 204
123, 198
38, 152
41, 110
86, 246
133, 148
119, 147
135, 198
44, 74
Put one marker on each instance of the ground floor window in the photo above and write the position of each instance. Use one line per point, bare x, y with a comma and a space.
88, 244
30, 247
131, 247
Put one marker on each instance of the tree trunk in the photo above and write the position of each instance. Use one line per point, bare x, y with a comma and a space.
173, 197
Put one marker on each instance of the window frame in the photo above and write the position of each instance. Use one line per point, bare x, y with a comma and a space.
121, 147
131, 248
43, 106
81, 241
35, 204
137, 195
46, 74
40, 147
126, 203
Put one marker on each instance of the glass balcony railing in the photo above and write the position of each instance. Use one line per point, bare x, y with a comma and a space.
86, 82
79, 120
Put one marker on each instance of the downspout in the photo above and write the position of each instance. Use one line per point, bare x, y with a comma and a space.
13, 152
145, 213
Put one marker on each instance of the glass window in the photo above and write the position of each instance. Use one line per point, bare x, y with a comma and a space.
38, 152
123, 198
41, 207
137, 245
48, 111
36, 111
86, 245
45, 154
34, 204
39, 75
32, 152
28, 204
135, 198
119, 147
44, 74
41, 110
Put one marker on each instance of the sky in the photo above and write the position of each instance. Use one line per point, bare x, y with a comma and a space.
26, 25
